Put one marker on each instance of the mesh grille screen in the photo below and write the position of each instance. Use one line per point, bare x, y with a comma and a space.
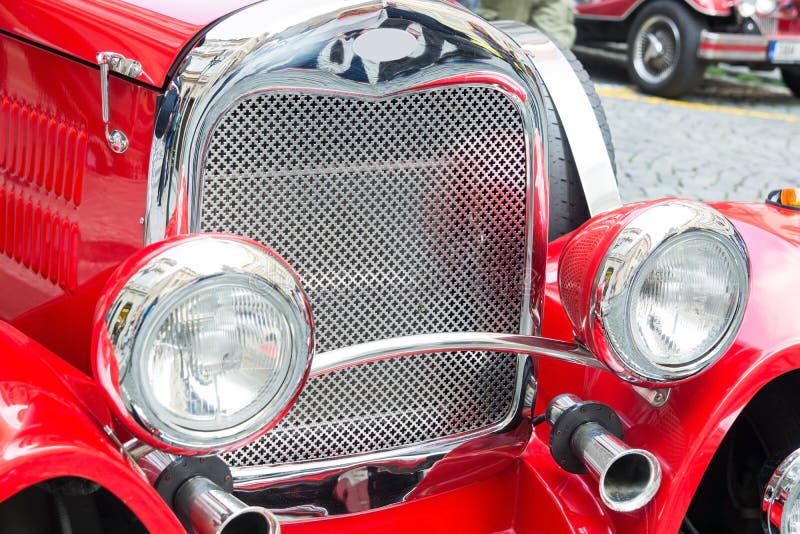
401, 216
388, 404
572, 274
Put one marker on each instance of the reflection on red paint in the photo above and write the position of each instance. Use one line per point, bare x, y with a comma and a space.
48, 247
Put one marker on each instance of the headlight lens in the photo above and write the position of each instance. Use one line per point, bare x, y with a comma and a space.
215, 355
746, 8
671, 291
212, 339
765, 7
681, 304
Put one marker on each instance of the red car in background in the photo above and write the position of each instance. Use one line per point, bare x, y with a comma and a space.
670, 42
362, 266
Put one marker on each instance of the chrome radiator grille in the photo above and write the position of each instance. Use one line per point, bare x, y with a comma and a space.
767, 25
402, 216
388, 404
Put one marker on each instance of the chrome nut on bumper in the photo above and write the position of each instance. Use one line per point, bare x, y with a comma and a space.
587, 437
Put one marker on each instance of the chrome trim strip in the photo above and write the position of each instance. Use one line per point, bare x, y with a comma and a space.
452, 342
577, 116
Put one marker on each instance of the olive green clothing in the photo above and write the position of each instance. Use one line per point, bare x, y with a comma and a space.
554, 17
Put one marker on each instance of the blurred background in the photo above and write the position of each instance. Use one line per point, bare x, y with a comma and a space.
698, 93
736, 136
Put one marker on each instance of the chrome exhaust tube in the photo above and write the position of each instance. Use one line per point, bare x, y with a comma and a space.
210, 509
628, 478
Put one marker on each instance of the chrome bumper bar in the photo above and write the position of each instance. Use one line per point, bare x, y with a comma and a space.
737, 47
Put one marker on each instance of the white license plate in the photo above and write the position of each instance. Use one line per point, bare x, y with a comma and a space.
784, 51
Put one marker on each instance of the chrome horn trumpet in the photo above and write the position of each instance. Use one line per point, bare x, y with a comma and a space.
586, 436
200, 492
212, 510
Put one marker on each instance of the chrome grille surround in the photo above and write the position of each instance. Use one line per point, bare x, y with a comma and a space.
458, 54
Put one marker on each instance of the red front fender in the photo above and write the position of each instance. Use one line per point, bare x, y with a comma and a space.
687, 431
51, 420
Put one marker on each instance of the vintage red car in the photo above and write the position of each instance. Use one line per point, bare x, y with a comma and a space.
670, 42
285, 266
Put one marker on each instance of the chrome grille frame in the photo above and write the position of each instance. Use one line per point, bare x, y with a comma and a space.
270, 475
237, 59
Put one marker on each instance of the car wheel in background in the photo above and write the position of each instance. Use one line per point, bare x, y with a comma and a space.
662, 49
568, 208
791, 77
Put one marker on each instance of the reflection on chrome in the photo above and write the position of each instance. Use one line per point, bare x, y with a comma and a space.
781, 502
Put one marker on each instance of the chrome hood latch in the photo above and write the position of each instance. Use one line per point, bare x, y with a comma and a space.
117, 140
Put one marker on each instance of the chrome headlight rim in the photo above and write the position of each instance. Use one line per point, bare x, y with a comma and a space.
120, 334
782, 489
641, 240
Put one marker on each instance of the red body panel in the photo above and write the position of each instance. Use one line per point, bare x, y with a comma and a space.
154, 33
69, 207
621, 9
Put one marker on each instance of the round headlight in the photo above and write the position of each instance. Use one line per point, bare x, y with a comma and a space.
765, 7
668, 296
746, 8
206, 344
657, 291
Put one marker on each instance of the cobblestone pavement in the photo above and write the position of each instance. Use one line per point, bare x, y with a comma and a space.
726, 141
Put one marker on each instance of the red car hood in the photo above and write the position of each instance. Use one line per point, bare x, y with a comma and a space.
152, 31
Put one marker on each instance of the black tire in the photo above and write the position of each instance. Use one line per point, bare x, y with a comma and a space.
662, 49
568, 209
791, 77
